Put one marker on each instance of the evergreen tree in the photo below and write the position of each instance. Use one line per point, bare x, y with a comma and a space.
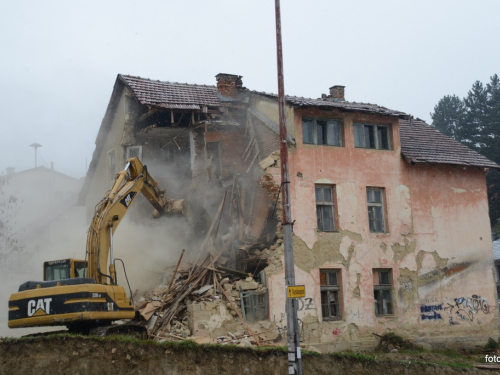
475, 121
448, 115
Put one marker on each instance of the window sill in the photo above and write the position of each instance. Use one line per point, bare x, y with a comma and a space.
380, 234
389, 316
373, 149
329, 320
322, 144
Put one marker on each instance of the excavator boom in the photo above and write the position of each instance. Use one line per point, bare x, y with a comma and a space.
95, 300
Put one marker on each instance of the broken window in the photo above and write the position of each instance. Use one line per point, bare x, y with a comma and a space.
376, 214
325, 207
330, 294
382, 291
111, 165
322, 132
134, 152
371, 136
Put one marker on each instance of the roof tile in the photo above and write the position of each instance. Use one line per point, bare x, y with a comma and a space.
330, 104
171, 95
421, 143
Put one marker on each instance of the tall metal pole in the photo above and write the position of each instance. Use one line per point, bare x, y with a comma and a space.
294, 354
35, 146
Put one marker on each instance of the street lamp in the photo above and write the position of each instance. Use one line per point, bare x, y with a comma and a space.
35, 146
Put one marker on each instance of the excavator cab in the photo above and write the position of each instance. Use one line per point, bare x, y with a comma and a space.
64, 269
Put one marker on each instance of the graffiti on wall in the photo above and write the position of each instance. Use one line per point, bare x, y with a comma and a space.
431, 312
305, 304
337, 332
462, 309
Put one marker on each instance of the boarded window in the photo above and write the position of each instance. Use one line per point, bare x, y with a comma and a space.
325, 207
382, 291
330, 294
321, 132
372, 136
376, 214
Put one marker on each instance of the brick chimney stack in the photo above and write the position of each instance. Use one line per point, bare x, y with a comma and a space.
228, 85
337, 93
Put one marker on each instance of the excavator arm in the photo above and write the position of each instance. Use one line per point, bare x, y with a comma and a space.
110, 211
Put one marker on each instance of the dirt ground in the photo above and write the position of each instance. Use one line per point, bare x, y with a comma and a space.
64, 354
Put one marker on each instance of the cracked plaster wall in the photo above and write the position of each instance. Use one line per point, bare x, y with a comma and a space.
437, 244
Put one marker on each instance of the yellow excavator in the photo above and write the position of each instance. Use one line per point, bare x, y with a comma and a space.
84, 295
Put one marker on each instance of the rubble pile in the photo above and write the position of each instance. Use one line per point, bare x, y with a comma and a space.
205, 299
202, 288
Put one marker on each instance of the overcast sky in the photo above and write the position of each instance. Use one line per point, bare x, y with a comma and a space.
59, 59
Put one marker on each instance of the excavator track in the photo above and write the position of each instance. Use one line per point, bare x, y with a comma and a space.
134, 330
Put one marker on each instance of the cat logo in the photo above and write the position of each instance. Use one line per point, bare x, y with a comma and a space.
128, 199
39, 307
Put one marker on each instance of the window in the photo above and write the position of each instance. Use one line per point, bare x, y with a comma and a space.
325, 208
330, 294
134, 152
322, 132
376, 215
371, 136
111, 165
382, 291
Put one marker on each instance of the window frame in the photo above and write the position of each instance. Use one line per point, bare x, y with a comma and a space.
376, 140
314, 140
323, 203
379, 289
130, 148
335, 290
381, 205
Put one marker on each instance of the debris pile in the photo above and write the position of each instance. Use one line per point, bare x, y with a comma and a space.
197, 295
216, 298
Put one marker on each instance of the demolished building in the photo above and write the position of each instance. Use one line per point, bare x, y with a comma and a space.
390, 216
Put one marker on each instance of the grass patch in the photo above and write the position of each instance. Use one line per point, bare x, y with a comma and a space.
363, 358
452, 364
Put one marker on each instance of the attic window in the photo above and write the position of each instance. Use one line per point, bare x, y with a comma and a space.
372, 136
322, 132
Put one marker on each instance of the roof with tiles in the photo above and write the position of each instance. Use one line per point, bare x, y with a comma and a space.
331, 104
421, 143
171, 94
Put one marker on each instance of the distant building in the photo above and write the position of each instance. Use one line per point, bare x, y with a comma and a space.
39, 221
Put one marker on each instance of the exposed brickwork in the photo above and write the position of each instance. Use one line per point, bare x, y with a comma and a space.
268, 182
228, 85
337, 92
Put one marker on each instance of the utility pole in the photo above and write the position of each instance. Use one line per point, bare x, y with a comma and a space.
294, 354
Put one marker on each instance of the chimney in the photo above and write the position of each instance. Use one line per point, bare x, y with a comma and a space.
228, 85
337, 93
10, 170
